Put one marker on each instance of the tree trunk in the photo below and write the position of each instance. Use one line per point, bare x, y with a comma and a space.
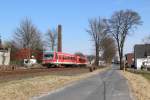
97, 56
120, 50
121, 55
121, 68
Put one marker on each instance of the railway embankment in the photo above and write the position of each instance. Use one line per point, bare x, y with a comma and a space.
40, 81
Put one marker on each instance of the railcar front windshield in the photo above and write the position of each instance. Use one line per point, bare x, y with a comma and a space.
48, 56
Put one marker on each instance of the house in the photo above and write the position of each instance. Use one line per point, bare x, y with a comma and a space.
129, 57
141, 54
26, 53
4, 56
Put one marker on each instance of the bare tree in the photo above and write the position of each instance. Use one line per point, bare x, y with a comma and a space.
121, 24
28, 36
12, 45
52, 39
90, 59
79, 54
146, 40
109, 49
98, 29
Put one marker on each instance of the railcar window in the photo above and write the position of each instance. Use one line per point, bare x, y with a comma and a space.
82, 60
49, 56
64, 57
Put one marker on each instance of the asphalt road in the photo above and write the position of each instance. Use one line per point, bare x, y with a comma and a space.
108, 85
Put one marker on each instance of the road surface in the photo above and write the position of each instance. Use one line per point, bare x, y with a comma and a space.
108, 85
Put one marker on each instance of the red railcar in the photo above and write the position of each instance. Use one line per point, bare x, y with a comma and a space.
59, 58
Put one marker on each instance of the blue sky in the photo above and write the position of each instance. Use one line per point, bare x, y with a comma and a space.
73, 15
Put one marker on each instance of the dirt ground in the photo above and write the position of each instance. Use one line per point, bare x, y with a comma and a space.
18, 74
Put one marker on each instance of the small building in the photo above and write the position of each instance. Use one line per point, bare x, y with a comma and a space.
141, 54
129, 57
4, 56
26, 53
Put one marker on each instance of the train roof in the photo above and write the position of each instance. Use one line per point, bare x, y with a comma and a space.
65, 54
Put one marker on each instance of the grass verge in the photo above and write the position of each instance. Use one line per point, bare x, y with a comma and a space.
139, 83
144, 73
147, 76
24, 89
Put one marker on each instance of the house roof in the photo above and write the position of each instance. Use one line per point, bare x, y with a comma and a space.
24, 53
142, 50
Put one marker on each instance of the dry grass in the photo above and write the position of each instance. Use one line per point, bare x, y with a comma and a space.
26, 88
140, 85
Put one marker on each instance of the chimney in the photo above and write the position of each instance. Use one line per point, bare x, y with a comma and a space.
1, 42
59, 45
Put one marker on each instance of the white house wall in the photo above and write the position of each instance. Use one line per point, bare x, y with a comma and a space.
139, 62
4, 58
7, 58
